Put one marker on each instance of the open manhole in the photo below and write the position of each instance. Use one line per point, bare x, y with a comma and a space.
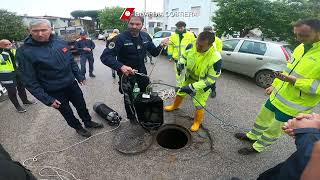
174, 137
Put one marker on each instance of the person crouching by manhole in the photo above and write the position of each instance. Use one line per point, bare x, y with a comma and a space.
203, 67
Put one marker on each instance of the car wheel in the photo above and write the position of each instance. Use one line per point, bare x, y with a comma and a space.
264, 78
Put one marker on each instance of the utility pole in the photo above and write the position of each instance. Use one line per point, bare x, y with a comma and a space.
145, 17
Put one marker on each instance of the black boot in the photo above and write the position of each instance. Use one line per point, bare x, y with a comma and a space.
92, 124
83, 132
243, 137
92, 75
213, 94
21, 109
28, 102
247, 151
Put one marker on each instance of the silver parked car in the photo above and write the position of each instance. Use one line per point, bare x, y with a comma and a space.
256, 59
159, 36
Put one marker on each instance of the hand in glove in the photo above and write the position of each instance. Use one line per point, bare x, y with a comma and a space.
188, 89
180, 67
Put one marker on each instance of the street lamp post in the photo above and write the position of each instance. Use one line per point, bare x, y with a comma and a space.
145, 10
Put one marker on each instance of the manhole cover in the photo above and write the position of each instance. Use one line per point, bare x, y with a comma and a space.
132, 139
174, 137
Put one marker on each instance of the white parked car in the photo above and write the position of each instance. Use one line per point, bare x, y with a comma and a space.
159, 36
256, 59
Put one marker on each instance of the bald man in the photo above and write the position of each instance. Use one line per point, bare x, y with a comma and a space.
9, 76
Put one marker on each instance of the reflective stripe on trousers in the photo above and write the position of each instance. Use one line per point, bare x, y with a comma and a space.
266, 129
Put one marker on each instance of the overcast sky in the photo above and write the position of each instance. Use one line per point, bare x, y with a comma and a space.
63, 8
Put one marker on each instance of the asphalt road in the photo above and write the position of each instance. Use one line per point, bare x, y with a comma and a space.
238, 101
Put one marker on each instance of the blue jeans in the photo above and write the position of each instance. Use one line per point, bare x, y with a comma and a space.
83, 62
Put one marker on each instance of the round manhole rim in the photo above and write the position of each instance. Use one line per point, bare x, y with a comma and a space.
174, 126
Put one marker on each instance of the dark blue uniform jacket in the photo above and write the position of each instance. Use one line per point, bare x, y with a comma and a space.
292, 168
82, 43
47, 66
130, 51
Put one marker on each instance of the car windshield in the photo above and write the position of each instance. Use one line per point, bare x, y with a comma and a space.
157, 35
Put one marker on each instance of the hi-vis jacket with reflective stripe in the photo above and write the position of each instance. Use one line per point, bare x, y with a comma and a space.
305, 93
200, 67
6, 64
177, 48
218, 44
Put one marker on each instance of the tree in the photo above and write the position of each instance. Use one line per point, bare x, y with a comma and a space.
94, 14
11, 26
110, 18
78, 14
279, 19
273, 18
239, 15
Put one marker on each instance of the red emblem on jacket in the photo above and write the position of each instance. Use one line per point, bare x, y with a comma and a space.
65, 50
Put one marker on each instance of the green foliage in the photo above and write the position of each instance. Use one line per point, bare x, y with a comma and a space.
273, 18
157, 29
94, 14
11, 26
81, 13
78, 14
110, 18
239, 15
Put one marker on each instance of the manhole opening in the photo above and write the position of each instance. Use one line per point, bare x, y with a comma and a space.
173, 137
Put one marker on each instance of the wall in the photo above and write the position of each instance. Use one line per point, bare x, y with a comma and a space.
207, 8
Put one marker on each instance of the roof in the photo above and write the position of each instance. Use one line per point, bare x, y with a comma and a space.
52, 17
256, 40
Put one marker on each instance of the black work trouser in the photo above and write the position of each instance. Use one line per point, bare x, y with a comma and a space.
213, 88
12, 92
127, 86
10, 169
73, 94
83, 62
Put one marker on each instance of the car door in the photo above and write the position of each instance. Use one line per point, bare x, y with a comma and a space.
250, 57
228, 53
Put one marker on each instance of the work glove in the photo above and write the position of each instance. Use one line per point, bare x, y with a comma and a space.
188, 89
180, 67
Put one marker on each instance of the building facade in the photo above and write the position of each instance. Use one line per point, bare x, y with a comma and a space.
196, 13
63, 25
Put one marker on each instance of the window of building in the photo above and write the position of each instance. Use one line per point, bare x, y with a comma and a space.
196, 10
175, 10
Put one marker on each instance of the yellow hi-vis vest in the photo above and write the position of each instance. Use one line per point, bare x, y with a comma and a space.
6, 65
199, 66
177, 48
218, 44
304, 95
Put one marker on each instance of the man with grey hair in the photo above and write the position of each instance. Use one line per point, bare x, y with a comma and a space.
49, 72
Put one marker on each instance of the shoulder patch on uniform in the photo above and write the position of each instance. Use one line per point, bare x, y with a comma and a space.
111, 45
